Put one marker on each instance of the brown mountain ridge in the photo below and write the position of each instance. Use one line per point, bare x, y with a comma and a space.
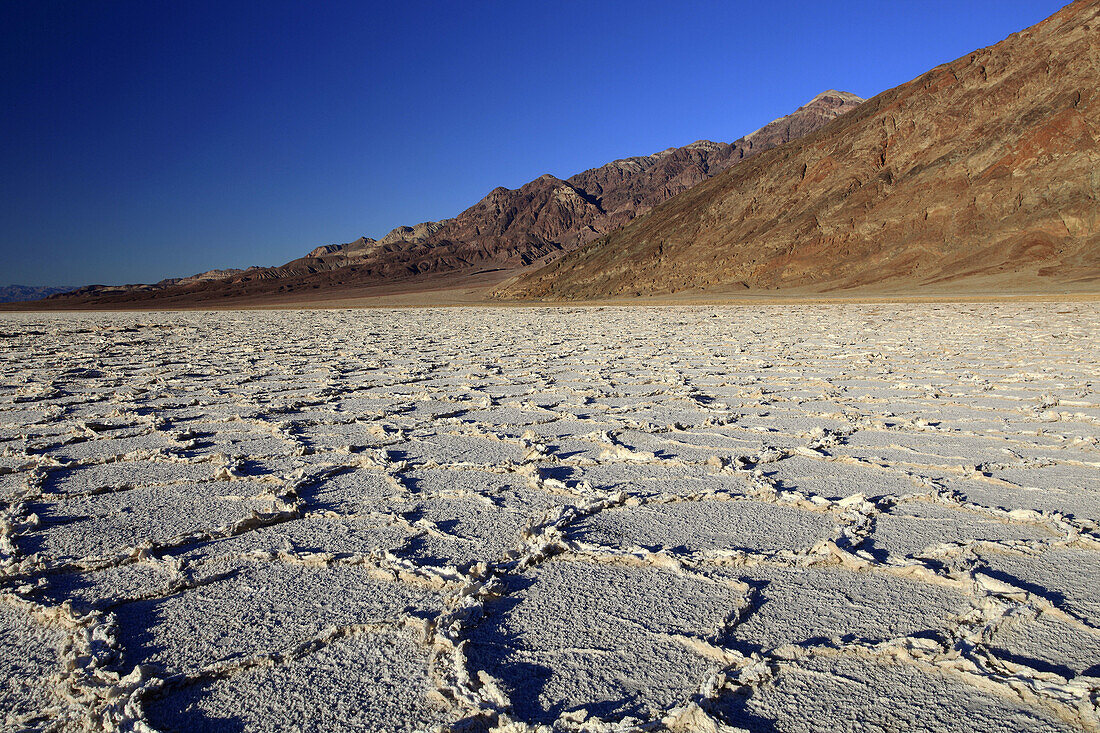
983, 173
506, 230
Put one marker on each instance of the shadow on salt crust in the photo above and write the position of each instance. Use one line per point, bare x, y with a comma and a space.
707, 525
836, 480
369, 682
261, 607
612, 641
31, 657
1049, 644
105, 524
852, 693
1068, 577
806, 606
914, 526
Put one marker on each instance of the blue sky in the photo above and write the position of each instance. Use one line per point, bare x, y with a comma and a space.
147, 139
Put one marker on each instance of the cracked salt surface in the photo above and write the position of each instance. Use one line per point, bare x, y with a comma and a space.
574, 519
377, 677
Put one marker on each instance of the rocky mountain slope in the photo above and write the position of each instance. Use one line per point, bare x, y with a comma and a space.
983, 172
508, 229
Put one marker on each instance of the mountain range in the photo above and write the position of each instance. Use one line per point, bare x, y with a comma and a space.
980, 176
20, 293
506, 230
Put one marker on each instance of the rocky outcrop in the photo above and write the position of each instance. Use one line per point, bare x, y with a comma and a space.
982, 172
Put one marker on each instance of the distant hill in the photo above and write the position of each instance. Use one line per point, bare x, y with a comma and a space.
18, 293
506, 230
983, 173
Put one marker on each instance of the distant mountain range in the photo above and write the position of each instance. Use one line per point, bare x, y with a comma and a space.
982, 174
17, 293
506, 230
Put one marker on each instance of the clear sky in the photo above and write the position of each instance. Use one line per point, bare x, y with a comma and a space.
143, 139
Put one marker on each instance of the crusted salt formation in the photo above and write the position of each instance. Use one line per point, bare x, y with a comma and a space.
588, 519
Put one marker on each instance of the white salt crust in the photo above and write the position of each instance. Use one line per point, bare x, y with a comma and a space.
782, 518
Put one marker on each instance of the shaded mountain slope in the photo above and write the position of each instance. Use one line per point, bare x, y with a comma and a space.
507, 229
983, 170
515, 227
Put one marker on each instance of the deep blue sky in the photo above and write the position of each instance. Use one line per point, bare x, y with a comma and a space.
146, 139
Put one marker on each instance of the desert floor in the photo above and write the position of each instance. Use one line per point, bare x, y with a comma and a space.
770, 517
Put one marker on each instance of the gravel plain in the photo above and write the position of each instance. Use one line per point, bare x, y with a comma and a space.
764, 518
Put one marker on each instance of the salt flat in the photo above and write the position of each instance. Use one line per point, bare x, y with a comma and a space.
770, 518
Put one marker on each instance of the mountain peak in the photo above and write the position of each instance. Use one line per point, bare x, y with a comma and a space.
823, 108
834, 94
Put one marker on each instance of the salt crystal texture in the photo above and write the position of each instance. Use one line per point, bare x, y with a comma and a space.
783, 518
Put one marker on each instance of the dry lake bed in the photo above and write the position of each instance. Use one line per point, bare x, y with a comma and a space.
765, 518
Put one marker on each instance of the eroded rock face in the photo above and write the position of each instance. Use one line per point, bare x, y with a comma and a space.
509, 228
984, 172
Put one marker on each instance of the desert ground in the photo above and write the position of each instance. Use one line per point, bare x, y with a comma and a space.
790, 517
